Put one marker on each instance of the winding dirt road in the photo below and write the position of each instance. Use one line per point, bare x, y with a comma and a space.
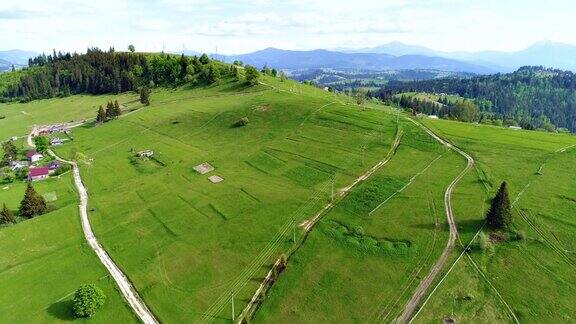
435, 270
130, 294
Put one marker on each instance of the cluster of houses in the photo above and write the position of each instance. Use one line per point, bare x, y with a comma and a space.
36, 173
51, 129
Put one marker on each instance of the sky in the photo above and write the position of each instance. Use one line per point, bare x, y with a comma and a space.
240, 26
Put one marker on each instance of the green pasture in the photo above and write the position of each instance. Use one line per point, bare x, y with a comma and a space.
532, 276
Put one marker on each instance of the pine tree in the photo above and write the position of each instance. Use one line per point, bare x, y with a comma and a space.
110, 111
33, 204
117, 110
6, 216
500, 215
101, 117
145, 96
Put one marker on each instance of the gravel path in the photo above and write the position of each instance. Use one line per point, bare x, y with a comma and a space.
128, 291
427, 281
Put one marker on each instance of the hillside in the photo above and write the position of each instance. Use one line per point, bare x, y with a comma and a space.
352, 196
532, 96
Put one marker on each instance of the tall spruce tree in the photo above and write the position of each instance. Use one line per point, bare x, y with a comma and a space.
117, 110
145, 96
110, 111
101, 117
33, 204
6, 216
500, 214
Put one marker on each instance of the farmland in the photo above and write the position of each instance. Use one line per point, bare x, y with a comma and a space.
530, 275
45, 259
180, 237
190, 247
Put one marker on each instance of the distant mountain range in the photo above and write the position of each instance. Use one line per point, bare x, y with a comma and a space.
318, 59
391, 56
548, 54
16, 58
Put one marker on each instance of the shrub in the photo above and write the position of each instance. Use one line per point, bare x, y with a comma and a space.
87, 300
241, 122
484, 242
252, 75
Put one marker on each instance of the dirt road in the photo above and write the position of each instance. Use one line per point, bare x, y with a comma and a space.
126, 288
420, 292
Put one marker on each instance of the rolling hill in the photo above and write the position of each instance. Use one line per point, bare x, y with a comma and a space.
351, 197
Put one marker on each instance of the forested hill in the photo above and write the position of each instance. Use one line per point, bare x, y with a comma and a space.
99, 72
527, 95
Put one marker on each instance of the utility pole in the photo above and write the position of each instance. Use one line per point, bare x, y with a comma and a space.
233, 317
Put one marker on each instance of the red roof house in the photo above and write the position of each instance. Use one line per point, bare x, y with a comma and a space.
39, 173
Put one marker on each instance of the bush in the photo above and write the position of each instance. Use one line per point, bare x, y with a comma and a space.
241, 122
62, 169
252, 75
87, 300
520, 235
484, 242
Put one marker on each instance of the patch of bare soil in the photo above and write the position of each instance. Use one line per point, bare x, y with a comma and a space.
264, 107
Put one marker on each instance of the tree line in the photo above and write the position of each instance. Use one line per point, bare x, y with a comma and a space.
533, 97
101, 72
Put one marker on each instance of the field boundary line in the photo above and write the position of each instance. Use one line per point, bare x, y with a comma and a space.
406, 185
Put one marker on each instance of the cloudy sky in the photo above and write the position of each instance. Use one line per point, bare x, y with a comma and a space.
237, 26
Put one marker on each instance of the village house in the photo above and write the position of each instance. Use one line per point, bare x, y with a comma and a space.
34, 156
17, 165
38, 173
53, 166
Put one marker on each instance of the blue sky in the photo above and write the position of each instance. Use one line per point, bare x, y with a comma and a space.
241, 25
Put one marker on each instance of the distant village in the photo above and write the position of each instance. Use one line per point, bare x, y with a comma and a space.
35, 165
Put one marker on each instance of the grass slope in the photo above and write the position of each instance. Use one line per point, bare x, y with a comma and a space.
533, 275
44, 260
376, 259
188, 244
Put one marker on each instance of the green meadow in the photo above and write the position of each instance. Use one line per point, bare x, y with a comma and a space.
45, 259
188, 245
529, 277
191, 247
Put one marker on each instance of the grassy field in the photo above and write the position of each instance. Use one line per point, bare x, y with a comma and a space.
532, 276
188, 244
375, 245
19, 118
45, 259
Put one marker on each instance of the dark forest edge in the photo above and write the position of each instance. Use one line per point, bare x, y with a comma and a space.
110, 72
533, 97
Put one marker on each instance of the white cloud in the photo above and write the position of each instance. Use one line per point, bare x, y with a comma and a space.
243, 25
